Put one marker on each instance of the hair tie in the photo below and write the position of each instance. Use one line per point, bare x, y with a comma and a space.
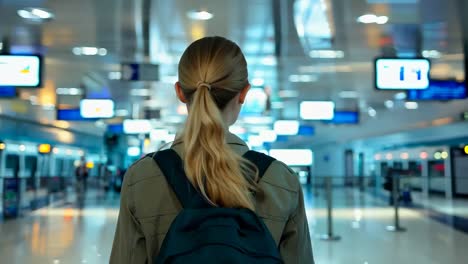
204, 84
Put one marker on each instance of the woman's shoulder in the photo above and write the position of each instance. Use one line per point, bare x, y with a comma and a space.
142, 170
281, 176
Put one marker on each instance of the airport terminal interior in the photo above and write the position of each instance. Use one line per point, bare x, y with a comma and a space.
366, 100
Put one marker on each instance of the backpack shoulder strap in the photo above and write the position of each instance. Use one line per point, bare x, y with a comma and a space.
171, 166
260, 160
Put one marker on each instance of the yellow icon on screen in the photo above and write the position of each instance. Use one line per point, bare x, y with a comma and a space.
26, 70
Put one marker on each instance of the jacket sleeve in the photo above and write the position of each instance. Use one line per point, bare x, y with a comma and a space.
295, 245
129, 242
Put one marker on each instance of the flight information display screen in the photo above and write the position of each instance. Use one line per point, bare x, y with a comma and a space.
20, 70
402, 74
71, 115
440, 90
344, 117
97, 108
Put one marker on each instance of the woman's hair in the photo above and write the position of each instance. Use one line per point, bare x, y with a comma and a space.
212, 71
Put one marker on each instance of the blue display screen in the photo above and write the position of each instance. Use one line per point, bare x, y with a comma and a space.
306, 131
115, 128
71, 115
344, 117
440, 90
7, 91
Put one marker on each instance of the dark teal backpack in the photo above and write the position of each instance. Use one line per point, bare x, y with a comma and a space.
205, 234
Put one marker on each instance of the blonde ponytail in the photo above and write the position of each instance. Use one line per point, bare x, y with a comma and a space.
222, 176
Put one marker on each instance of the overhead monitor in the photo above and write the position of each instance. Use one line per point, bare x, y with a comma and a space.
401, 74
440, 90
21, 71
137, 126
317, 110
293, 157
286, 127
344, 117
97, 108
73, 114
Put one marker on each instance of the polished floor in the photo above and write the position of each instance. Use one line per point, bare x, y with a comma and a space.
82, 233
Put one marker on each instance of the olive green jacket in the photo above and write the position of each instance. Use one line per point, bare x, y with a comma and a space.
148, 206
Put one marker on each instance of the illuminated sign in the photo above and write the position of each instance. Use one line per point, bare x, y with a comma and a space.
137, 126
97, 108
20, 70
286, 127
401, 74
317, 110
344, 117
440, 90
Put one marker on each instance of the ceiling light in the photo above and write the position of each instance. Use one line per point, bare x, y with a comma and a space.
371, 18
367, 19
89, 51
199, 15
41, 13
115, 75
102, 52
258, 82
381, 20
348, 94
25, 14
411, 105
389, 156
400, 96
35, 14
326, 54
432, 54
389, 104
